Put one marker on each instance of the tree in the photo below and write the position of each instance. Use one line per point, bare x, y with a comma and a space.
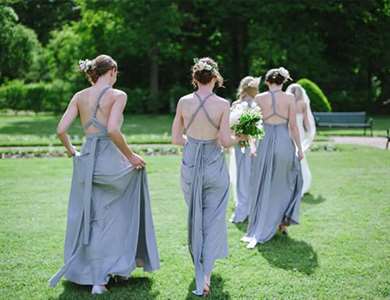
19, 46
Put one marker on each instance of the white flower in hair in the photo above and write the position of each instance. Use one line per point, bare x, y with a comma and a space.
284, 72
85, 65
202, 65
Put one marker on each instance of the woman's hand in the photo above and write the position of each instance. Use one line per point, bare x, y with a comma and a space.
242, 138
71, 152
300, 154
137, 161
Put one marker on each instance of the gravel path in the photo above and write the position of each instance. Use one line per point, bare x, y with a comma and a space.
376, 142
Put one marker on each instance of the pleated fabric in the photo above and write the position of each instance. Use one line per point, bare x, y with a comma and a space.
205, 184
276, 184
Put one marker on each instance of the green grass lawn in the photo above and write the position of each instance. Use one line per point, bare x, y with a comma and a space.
40, 130
30, 130
341, 250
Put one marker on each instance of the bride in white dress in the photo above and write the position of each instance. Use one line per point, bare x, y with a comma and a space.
307, 129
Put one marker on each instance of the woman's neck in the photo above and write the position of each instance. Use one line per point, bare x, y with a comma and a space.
274, 87
205, 89
103, 82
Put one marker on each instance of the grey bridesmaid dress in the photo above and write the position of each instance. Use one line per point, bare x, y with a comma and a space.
205, 184
276, 181
242, 184
110, 228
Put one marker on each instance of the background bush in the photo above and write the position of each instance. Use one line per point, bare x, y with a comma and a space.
318, 100
40, 96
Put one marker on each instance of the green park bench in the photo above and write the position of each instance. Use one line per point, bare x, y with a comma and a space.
344, 120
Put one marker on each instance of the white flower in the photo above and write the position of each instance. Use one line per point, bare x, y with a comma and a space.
85, 65
201, 65
284, 72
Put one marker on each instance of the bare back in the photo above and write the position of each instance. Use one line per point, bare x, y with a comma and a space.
95, 103
202, 115
275, 106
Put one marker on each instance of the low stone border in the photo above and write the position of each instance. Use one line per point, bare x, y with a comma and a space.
147, 150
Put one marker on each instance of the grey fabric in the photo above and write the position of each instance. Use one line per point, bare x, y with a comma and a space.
274, 111
201, 106
110, 228
205, 184
276, 184
242, 184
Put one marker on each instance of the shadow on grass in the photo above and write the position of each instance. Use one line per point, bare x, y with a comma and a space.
216, 290
242, 226
133, 288
310, 199
286, 253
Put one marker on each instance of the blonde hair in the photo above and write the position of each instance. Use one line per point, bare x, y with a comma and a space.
248, 82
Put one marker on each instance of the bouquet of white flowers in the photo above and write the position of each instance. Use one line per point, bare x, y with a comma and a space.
247, 120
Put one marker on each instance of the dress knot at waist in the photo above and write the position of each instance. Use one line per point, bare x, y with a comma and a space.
98, 135
198, 141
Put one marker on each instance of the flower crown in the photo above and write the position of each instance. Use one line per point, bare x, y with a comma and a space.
85, 65
282, 72
201, 64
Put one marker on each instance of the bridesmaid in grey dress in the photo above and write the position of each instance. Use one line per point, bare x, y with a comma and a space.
248, 89
276, 179
110, 228
201, 124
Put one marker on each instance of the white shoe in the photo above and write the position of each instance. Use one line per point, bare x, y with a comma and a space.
99, 289
252, 244
246, 239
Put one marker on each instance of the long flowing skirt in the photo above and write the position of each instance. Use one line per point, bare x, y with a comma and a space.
241, 185
110, 228
276, 183
205, 184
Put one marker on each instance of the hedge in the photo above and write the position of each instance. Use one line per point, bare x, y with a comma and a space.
318, 100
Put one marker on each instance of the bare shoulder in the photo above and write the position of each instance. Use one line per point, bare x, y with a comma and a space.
118, 93
290, 98
222, 102
186, 98
261, 95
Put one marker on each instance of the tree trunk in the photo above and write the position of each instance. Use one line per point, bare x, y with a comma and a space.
154, 80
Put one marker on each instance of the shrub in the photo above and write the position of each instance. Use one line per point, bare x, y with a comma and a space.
13, 95
58, 95
318, 100
137, 100
41, 96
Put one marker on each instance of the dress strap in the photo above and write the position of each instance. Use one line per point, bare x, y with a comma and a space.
98, 100
93, 120
201, 106
274, 112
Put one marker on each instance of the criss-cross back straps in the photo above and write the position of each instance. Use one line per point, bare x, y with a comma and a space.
93, 120
274, 112
201, 106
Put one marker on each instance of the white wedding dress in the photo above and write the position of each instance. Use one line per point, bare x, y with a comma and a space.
306, 137
306, 174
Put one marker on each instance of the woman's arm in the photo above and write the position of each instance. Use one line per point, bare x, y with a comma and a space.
294, 128
178, 126
113, 128
306, 122
67, 119
225, 133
